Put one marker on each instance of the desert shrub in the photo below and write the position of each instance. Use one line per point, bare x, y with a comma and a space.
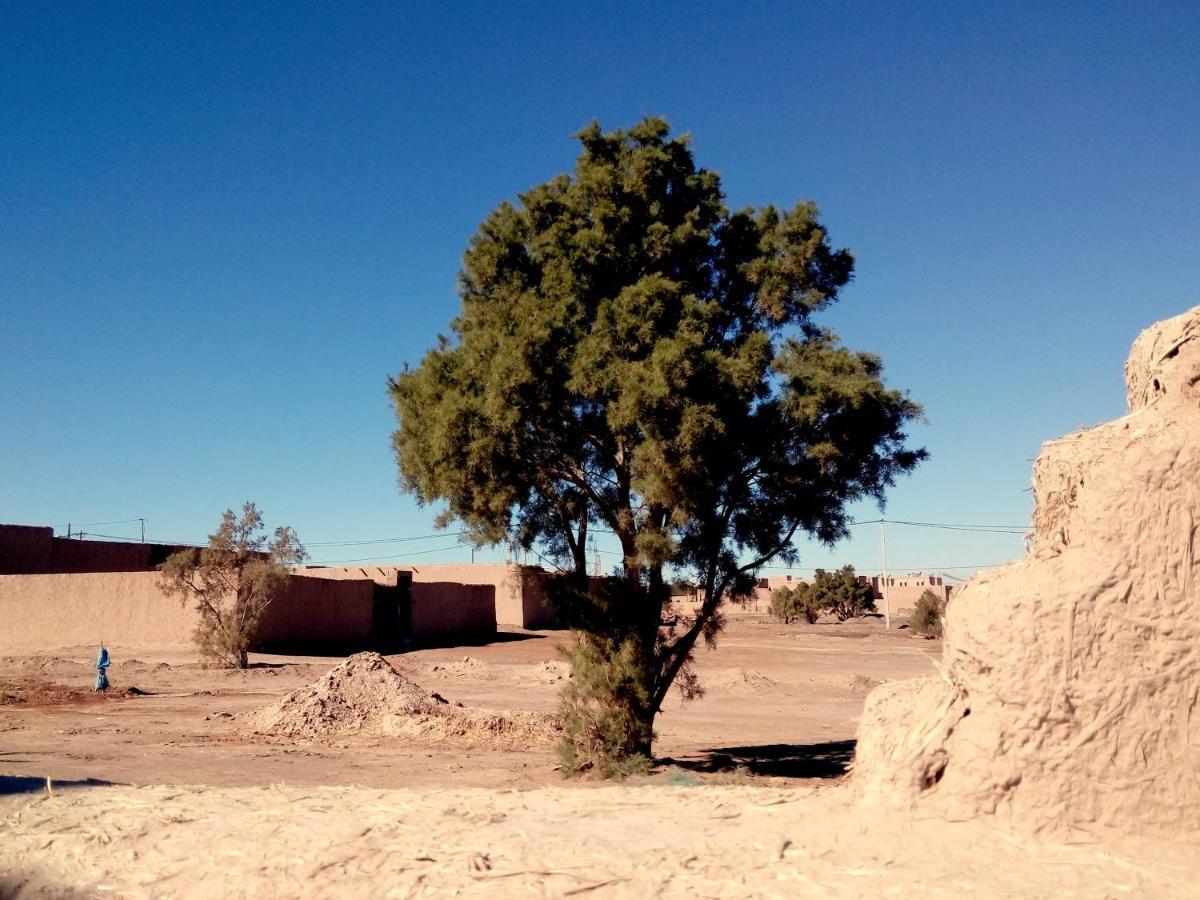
927, 617
232, 581
603, 706
795, 603
605, 731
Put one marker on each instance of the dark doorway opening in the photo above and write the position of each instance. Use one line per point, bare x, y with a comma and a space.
391, 614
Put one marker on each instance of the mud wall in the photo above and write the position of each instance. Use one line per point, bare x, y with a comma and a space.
124, 609
445, 608
1070, 679
129, 609
502, 578
319, 610
536, 608
388, 576
34, 550
519, 591
24, 549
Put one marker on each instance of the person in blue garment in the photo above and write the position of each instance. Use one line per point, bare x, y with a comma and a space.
102, 664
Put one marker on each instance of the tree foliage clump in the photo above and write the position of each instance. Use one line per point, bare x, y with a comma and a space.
232, 581
791, 604
927, 617
842, 593
633, 356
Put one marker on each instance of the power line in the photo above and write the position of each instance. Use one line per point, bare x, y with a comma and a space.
993, 529
117, 522
338, 562
421, 537
394, 540
133, 540
894, 569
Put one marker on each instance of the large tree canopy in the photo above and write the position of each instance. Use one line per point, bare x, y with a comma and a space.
634, 357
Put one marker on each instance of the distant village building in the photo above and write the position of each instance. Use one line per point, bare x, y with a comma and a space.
903, 591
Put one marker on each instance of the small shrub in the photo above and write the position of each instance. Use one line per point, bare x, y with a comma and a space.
927, 617
793, 604
231, 582
603, 732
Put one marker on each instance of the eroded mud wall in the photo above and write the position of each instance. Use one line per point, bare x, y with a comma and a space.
1070, 690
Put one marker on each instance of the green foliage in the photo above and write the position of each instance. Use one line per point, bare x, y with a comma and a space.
232, 581
633, 355
927, 617
839, 592
606, 731
842, 594
796, 603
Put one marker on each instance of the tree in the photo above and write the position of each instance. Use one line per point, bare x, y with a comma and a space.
633, 356
842, 593
232, 581
927, 617
797, 602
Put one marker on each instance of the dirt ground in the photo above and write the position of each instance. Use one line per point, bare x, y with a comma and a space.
748, 798
781, 700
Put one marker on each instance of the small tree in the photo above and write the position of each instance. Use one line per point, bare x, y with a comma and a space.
232, 581
843, 594
798, 602
927, 617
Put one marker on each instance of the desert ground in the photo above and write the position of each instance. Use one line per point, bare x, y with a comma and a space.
158, 789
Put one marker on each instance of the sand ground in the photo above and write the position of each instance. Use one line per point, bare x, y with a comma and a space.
161, 795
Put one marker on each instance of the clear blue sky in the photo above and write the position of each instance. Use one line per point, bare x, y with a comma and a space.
223, 226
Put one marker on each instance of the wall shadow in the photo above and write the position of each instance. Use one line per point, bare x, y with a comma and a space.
386, 648
26, 784
828, 760
480, 639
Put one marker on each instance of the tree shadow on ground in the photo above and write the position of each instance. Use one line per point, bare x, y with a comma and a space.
17, 885
828, 760
28, 784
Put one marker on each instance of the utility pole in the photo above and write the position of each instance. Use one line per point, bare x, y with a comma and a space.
143, 521
883, 589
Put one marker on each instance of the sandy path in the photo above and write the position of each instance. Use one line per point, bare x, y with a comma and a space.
624, 841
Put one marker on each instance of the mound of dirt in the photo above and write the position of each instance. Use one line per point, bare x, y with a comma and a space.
364, 695
1071, 677
351, 697
467, 667
46, 664
551, 672
739, 681
861, 684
